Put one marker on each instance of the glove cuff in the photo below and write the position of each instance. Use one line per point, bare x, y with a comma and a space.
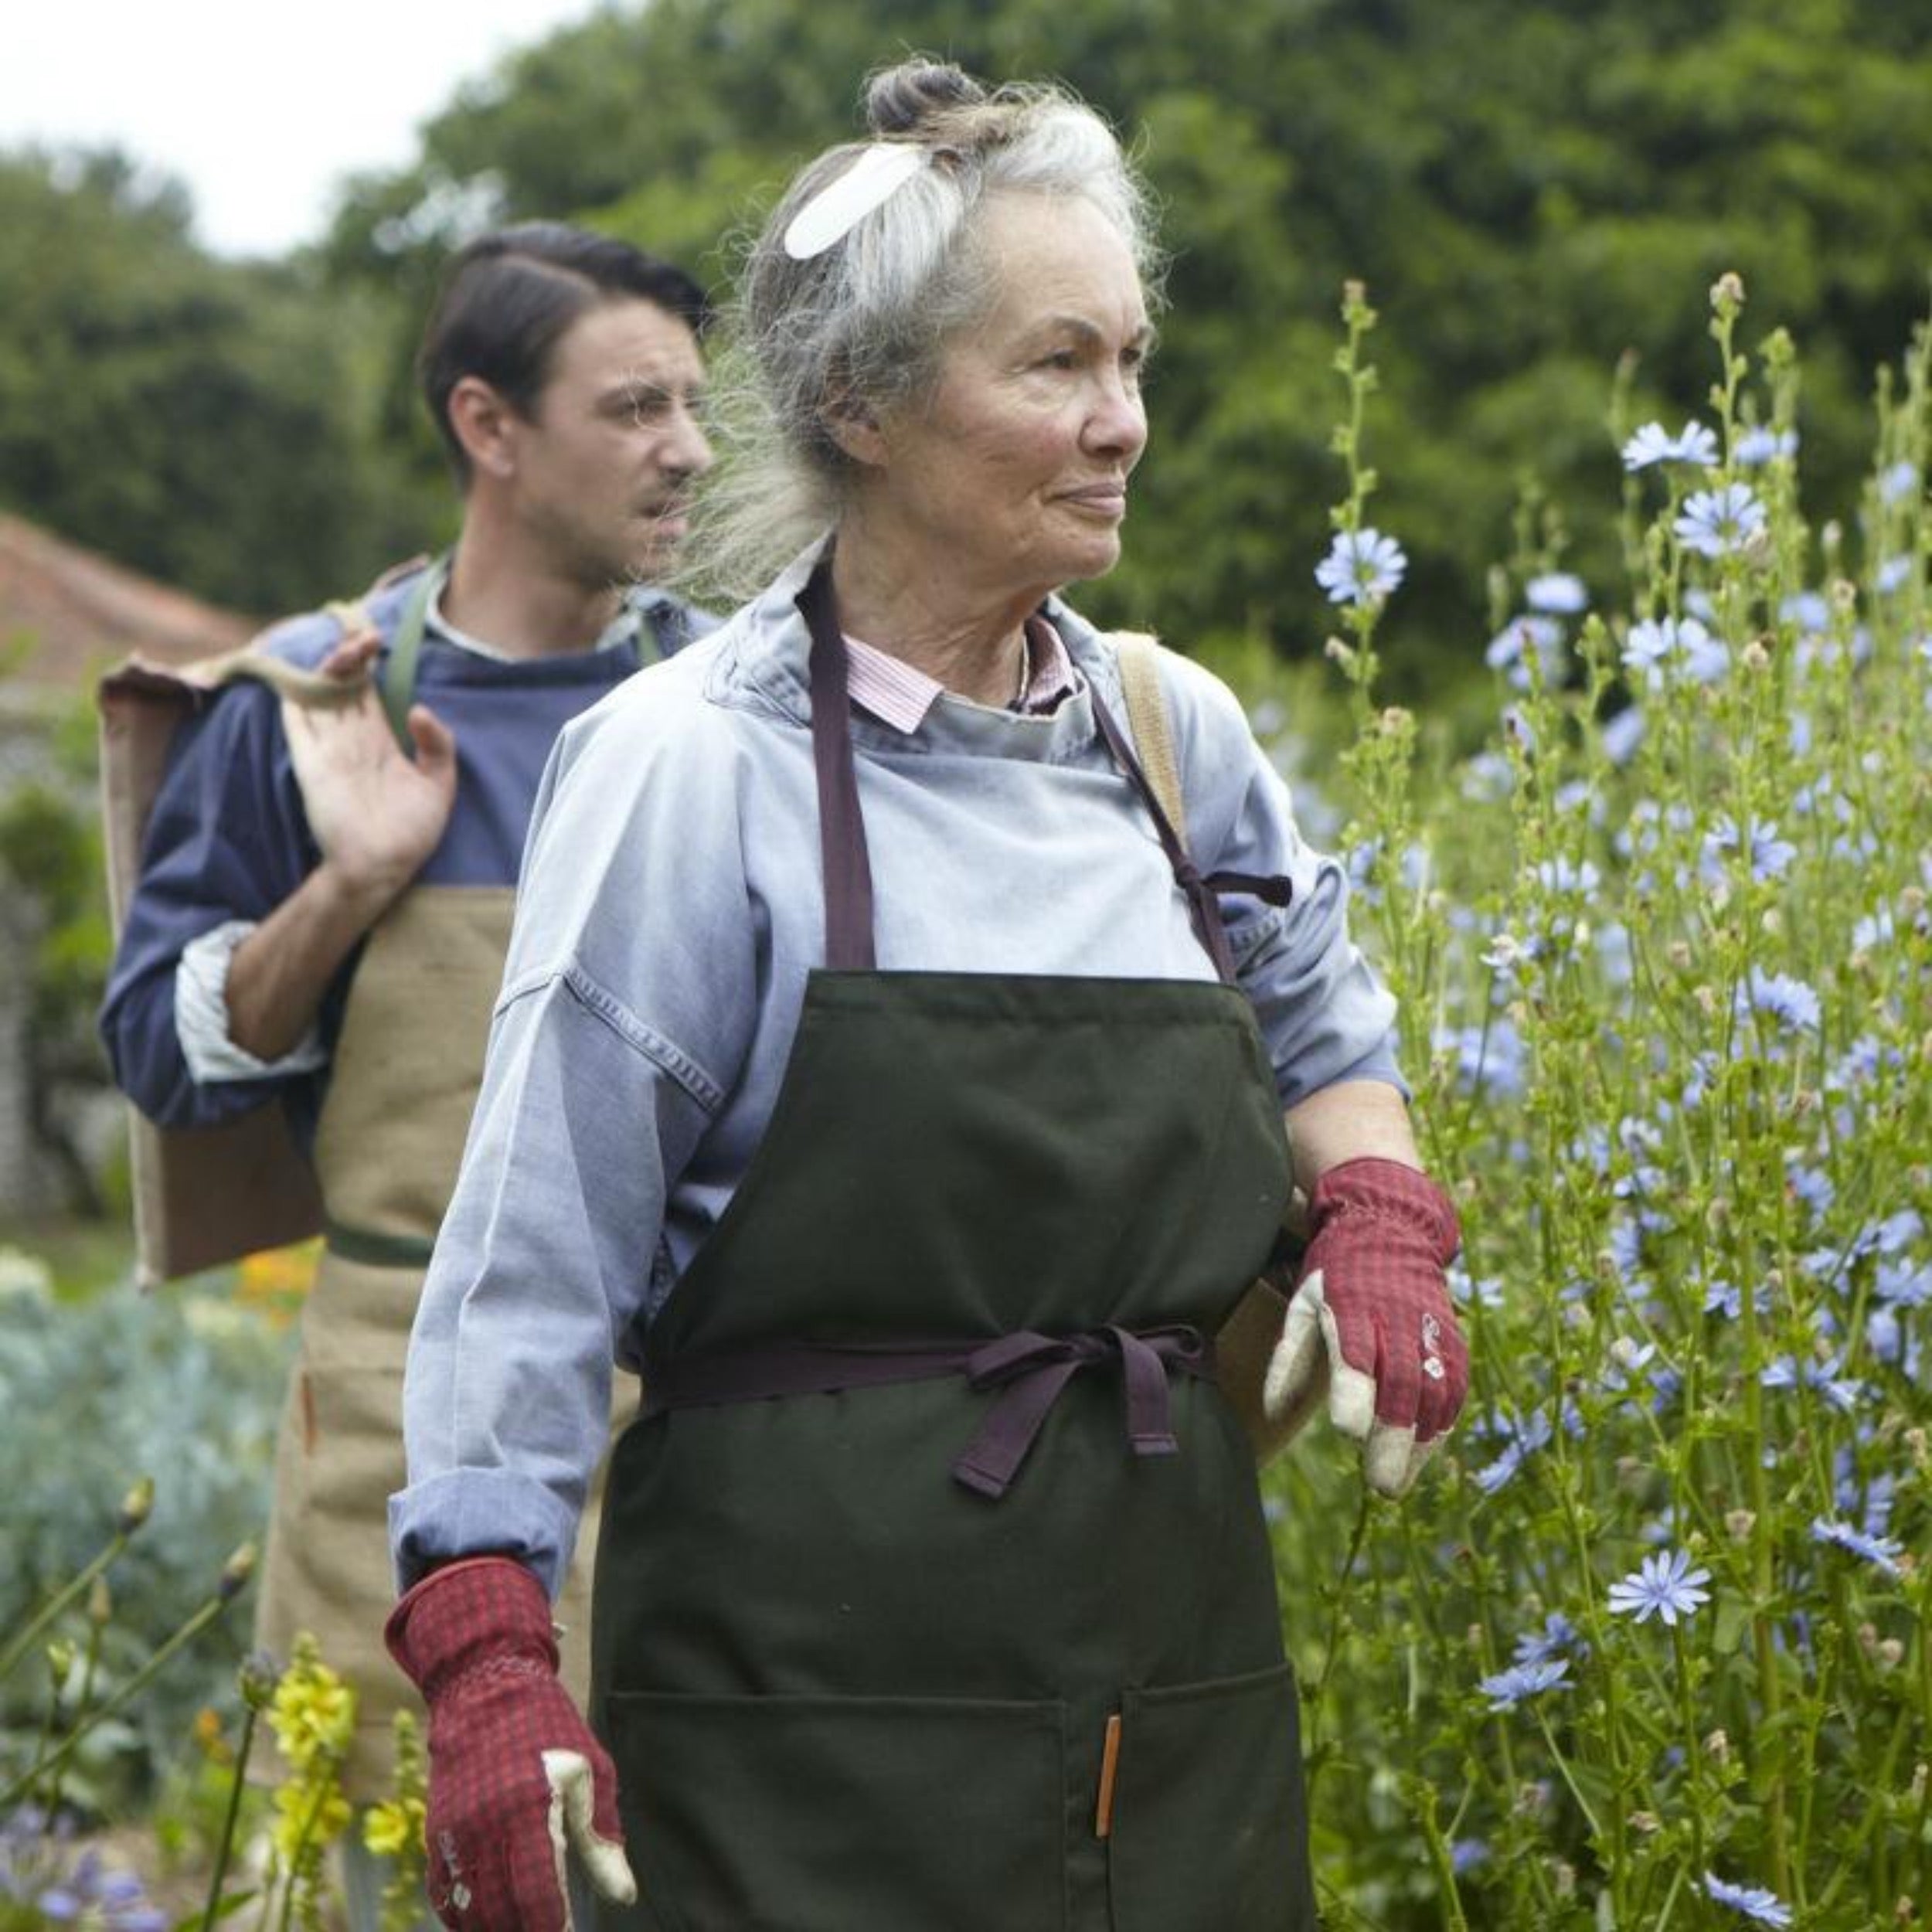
1389, 1190
482, 1605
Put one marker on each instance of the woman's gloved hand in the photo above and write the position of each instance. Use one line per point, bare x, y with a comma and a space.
516, 1778
1370, 1321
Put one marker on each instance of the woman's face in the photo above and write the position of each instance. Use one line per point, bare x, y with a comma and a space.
1010, 474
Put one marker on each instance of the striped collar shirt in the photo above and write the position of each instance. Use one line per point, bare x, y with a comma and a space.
898, 695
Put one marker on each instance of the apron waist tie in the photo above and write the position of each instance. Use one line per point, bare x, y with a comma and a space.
1029, 1370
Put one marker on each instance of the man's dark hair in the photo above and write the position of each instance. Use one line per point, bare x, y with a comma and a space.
508, 298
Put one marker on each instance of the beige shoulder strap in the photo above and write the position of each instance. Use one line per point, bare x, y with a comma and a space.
1147, 718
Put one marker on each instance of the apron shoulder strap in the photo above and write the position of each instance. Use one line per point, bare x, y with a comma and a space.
1147, 718
405, 648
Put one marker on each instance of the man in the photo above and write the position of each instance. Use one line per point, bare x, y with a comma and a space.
323, 905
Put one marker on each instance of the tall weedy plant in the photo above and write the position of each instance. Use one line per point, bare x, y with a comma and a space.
1648, 1647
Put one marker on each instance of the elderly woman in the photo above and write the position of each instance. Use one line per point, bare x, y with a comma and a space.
876, 1072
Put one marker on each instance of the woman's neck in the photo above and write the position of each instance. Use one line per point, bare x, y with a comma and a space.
972, 640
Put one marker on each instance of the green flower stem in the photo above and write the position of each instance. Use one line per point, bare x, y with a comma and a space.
193, 1629
1332, 1647
1687, 1706
230, 1818
299, 1860
1449, 1895
22, 1640
88, 1669
1764, 1583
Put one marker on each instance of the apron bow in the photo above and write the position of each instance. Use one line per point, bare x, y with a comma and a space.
1030, 1370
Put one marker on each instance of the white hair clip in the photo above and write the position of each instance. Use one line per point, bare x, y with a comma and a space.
831, 214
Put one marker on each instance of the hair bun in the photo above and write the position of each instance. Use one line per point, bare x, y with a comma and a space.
898, 100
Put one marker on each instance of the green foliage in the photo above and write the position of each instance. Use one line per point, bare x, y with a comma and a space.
197, 419
1666, 1010
1515, 184
186, 1386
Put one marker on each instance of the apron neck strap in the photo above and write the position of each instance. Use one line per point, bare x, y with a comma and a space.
842, 825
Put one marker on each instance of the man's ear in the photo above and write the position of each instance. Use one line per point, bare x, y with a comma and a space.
485, 424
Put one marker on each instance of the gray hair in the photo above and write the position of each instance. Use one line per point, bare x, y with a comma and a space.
865, 324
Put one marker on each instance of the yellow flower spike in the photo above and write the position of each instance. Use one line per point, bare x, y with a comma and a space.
313, 1711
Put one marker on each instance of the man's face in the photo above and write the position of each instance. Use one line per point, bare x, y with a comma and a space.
604, 460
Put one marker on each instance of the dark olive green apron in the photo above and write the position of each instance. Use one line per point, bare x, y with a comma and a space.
970, 1626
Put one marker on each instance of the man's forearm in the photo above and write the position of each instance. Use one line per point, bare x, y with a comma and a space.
279, 974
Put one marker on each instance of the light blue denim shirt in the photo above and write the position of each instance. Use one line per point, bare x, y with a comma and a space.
669, 912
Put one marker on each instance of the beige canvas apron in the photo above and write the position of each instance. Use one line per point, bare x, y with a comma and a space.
403, 1084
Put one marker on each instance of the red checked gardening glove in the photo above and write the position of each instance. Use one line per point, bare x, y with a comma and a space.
516, 1778
1369, 1321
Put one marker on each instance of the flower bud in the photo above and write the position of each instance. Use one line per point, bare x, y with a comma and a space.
1740, 1523
236, 1573
100, 1603
135, 1506
1727, 292
257, 1677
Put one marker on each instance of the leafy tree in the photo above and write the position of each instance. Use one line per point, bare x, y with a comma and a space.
1528, 193
200, 419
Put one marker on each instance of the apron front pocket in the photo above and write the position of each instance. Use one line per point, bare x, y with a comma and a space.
842, 1814
1207, 1829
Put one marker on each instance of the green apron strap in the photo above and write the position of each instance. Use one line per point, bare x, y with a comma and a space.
377, 1250
398, 672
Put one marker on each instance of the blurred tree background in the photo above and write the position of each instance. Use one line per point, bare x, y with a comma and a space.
1531, 194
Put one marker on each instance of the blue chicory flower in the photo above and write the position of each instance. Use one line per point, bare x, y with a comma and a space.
1507, 1689
1792, 1003
1653, 443
1558, 1635
1556, 592
1714, 523
1507, 650
1899, 481
1663, 1586
1524, 1438
1362, 566
1762, 445
1761, 1906
1882, 1552
1622, 734
1661, 649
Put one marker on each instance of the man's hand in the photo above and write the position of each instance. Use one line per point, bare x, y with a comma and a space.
376, 814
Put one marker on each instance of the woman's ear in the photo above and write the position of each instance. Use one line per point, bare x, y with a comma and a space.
852, 423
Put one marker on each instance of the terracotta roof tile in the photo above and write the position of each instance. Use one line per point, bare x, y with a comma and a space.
77, 611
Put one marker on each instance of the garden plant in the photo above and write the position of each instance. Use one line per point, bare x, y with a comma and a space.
1648, 1647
